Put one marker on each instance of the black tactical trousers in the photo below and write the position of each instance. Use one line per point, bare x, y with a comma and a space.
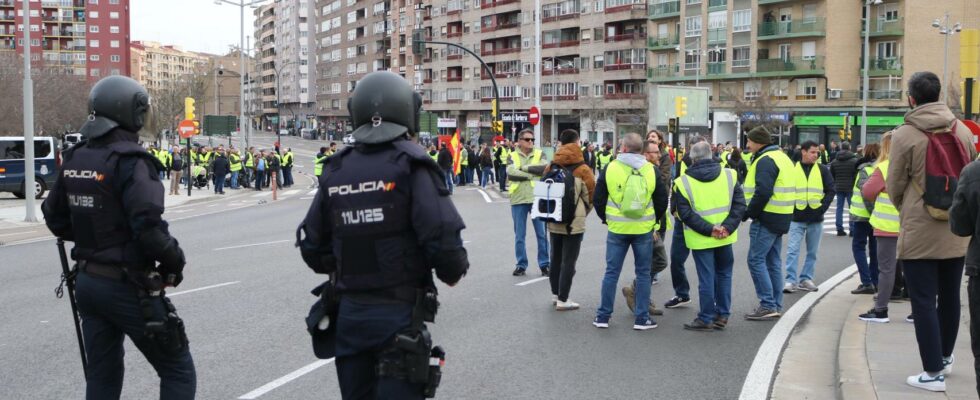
110, 310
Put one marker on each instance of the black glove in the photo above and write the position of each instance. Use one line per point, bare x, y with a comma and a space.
163, 248
172, 271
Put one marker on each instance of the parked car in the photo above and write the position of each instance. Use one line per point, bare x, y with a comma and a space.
47, 158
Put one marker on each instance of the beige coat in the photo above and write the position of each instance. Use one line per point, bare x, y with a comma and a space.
921, 237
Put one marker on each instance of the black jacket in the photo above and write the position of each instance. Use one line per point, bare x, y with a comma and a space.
589, 158
221, 166
808, 214
766, 172
844, 170
445, 159
964, 215
601, 197
738, 164
706, 171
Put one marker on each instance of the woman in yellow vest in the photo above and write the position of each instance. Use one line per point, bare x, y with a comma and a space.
711, 205
863, 243
884, 219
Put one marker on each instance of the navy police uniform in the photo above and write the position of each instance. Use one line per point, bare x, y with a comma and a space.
108, 199
380, 224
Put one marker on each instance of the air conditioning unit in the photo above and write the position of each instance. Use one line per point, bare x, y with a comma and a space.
834, 93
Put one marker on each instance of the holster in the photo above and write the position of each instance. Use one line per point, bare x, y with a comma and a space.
327, 306
167, 335
411, 355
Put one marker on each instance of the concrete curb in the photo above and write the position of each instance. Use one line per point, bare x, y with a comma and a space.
853, 369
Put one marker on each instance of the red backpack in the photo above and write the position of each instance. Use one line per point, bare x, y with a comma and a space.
945, 159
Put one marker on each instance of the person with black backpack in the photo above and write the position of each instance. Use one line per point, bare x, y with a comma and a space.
927, 155
566, 236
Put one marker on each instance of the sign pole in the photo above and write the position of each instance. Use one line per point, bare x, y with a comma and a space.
188, 161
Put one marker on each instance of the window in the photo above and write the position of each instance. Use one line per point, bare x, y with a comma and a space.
663, 60
114, 44
113, 29
785, 52
93, 2
717, 20
93, 29
94, 72
93, 43
597, 62
751, 90
115, 58
806, 89
741, 56
692, 26
93, 57
887, 50
741, 20
779, 89
809, 50
93, 15
809, 12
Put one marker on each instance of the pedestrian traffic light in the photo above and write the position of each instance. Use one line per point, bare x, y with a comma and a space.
418, 44
189, 108
672, 126
680, 106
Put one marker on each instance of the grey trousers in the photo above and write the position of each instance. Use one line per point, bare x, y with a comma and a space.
887, 264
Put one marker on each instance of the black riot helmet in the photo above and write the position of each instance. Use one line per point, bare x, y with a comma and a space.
383, 108
115, 101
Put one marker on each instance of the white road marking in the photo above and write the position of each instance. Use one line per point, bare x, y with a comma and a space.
264, 193
289, 192
18, 233
306, 198
284, 380
530, 281
253, 244
313, 192
28, 241
759, 379
202, 288
485, 196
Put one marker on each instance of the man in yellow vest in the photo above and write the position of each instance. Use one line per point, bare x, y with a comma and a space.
235, 166
678, 249
319, 161
604, 157
287, 168
814, 194
864, 245
624, 202
524, 167
501, 154
248, 169
711, 205
770, 191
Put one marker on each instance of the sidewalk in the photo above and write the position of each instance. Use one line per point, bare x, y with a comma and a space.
833, 354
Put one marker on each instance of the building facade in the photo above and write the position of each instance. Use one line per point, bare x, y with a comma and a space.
80, 37
223, 91
265, 54
354, 38
800, 61
157, 65
293, 67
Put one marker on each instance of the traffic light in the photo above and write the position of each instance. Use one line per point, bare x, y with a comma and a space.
493, 109
189, 108
680, 106
975, 95
418, 45
672, 126
498, 126
197, 126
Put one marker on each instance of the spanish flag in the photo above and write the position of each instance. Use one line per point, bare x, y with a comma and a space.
454, 149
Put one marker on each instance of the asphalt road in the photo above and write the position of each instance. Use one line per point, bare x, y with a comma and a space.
503, 340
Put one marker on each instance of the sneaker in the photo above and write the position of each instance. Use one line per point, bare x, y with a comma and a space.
630, 296
931, 383
642, 325
841, 233
789, 287
519, 271
762, 314
874, 315
720, 323
699, 325
808, 286
909, 319
566, 306
545, 271
864, 289
948, 364
601, 322
676, 302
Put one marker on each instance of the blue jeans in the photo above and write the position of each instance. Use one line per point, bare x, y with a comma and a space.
864, 237
450, 177
765, 266
841, 199
219, 183
485, 177
616, 246
520, 213
678, 255
234, 179
714, 282
110, 310
799, 232
287, 176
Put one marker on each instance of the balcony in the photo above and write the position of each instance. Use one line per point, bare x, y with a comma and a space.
663, 71
717, 36
764, 2
559, 71
638, 9
883, 27
663, 43
717, 5
497, 52
884, 67
454, 34
458, 78
792, 29
564, 43
622, 67
501, 26
552, 18
485, 4
716, 68
881, 94
664, 10
454, 57
789, 66
561, 97
6, 3
624, 96
626, 37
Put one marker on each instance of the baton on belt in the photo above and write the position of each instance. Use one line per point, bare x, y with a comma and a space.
68, 277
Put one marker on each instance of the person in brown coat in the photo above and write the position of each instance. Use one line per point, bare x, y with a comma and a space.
932, 256
566, 238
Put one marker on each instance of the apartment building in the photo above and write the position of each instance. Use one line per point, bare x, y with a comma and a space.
79, 37
157, 66
265, 54
593, 63
801, 60
293, 67
222, 94
354, 38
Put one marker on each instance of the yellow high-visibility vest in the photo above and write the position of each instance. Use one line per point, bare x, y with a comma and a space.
809, 190
516, 158
783, 198
706, 200
616, 174
885, 216
857, 207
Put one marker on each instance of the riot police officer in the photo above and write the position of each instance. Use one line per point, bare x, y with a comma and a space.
108, 200
381, 222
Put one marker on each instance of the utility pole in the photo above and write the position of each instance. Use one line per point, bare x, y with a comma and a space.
537, 64
30, 215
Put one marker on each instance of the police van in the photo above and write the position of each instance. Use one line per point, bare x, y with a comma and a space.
47, 157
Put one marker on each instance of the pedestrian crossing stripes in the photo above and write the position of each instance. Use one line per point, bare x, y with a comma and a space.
830, 221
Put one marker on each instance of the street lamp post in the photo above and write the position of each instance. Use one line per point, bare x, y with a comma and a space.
866, 81
277, 70
946, 30
241, 4
30, 214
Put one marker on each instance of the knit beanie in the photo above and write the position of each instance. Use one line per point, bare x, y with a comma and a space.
760, 135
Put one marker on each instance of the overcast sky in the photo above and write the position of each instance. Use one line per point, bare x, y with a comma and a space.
196, 25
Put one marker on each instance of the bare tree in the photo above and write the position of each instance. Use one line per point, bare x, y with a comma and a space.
60, 99
758, 112
594, 113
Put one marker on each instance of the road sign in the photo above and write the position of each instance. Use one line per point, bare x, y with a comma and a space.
533, 115
446, 123
186, 128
